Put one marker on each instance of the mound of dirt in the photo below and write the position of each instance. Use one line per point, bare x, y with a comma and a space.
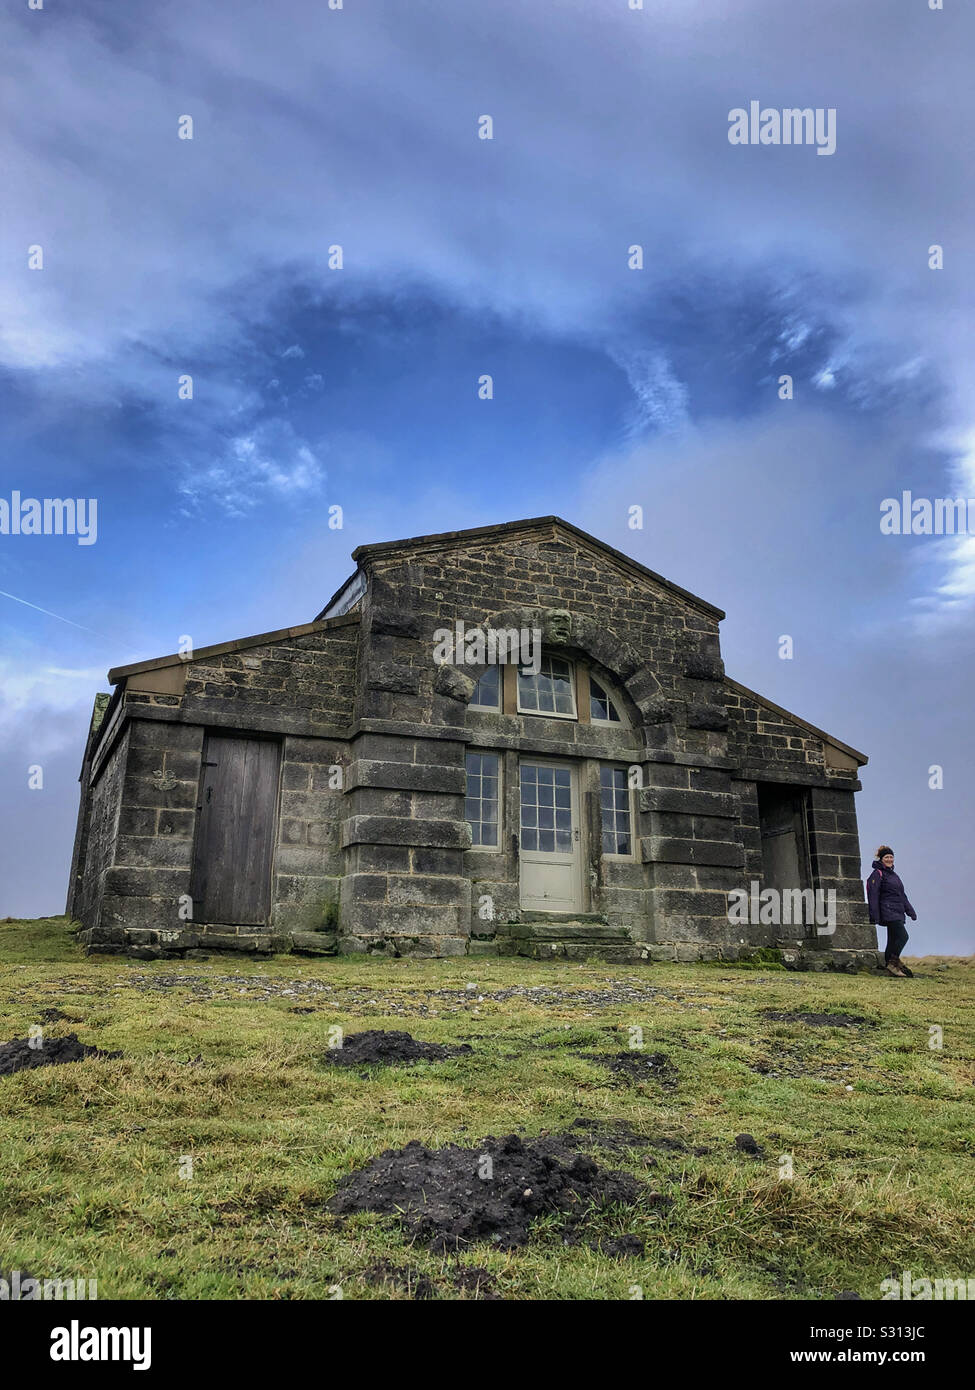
634, 1065
748, 1144
451, 1197
377, 1048
817, 1020
18, 1055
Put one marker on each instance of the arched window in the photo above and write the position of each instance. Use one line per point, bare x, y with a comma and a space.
602, 710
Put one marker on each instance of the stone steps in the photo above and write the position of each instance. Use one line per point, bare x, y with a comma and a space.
543, 937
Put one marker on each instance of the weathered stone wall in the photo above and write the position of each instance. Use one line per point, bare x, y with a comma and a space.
154, 851
406, 890
834, 846
765, 741
666, 650
694, 854
304, 685
104, 799
308, 859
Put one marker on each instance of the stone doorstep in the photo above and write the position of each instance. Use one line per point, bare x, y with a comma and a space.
526, 915
629, 954
314, 943
565, 931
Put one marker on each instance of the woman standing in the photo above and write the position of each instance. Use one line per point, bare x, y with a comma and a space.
888, 907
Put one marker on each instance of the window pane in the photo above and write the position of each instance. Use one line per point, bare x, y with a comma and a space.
548, 692
487, 692
546, 812
614, 800
481, 801
600, 705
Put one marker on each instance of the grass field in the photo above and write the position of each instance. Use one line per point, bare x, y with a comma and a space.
223, 1063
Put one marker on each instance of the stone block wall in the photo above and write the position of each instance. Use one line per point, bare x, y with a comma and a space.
301, 685
693, 851
835, 855
664, 649
308, 857
98, 830
406, 890
148, 885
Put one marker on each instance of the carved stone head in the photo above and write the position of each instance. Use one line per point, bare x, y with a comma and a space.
557, 626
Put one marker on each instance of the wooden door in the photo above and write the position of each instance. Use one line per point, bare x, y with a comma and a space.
236, 818
550, 859
783, 830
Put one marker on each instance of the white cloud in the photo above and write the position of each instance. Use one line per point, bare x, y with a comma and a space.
271, 462
661, 399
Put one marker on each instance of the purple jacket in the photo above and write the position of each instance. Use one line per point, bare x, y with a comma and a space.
886, 897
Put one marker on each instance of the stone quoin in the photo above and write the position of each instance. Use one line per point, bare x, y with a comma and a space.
339, 786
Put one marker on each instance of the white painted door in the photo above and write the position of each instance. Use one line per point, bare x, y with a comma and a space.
550, 848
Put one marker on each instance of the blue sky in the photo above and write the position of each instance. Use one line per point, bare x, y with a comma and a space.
357, 387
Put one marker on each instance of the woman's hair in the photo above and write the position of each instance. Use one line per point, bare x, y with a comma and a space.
882, 850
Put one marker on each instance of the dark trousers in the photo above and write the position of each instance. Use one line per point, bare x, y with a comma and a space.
896, 939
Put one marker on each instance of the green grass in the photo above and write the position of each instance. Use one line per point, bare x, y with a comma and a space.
90, 1183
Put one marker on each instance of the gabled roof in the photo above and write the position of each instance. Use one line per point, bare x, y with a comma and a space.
445, 540
260, 639
860, 758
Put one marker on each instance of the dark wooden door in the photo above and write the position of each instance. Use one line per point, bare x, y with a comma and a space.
785, 860
235, 831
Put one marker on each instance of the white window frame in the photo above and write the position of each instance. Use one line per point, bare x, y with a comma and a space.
492, 709
611, 695
489, 753
621, 858
548, 713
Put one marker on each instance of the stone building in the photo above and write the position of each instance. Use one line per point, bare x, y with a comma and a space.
399, 777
